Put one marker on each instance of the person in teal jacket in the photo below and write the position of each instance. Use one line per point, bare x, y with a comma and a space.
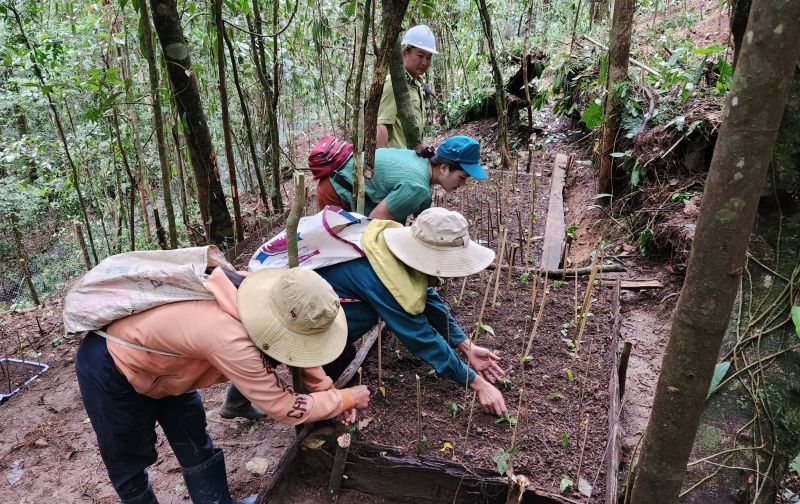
391, 283
402, 179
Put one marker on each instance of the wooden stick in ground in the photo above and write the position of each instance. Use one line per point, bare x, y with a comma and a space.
337, 471
538, 319
587, 299
583, 450
512, 256
419, 416
294, 217
483, 308
560, 273
461, 293
499, 261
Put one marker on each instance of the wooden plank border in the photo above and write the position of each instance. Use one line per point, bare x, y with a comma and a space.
553, 246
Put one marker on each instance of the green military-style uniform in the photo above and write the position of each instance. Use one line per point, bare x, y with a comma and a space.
387, 112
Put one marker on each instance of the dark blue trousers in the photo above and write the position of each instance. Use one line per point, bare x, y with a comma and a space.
124, 421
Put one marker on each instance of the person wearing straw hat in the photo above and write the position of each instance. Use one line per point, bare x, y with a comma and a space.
403, 179
145, 368
391, 283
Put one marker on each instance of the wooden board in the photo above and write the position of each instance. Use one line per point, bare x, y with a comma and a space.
553, 246
386, 472
635, 284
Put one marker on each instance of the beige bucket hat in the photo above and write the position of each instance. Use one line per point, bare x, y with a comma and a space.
438, 244
292, 315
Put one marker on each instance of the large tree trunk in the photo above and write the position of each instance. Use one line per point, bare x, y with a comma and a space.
499, 90
402, 97
619, 49
393, 12
211, 198
743, 152
158, 121
226, 120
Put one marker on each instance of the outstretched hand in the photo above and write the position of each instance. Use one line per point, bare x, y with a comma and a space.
485, 363
490, 399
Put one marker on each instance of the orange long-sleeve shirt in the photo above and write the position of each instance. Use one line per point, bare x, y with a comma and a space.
217, 349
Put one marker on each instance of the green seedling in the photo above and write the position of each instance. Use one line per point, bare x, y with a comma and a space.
566, 483
472, 294
523, 278
504, 382
502, 458
558, 283
568, 372
454, 409
525, 359
555, 396
507, 419
486, 328
570, 231
565, 439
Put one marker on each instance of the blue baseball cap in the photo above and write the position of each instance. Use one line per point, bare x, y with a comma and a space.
466, 151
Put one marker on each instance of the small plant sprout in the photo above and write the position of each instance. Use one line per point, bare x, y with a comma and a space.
486, 328
502, 458
454, 409
565, 439
570, 231
558, 283
566, 483
555, 396
504, 382
472, 294
525, 359
568, 373
507, 419
523, 278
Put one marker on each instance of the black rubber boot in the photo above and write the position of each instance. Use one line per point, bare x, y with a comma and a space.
146, 497
237, 405
208, 482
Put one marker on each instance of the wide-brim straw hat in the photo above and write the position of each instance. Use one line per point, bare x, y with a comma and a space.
438, 244
292, 315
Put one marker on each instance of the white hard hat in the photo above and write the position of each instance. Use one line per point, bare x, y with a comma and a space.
420, 36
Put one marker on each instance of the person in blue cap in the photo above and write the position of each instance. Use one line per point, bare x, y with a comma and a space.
401, 184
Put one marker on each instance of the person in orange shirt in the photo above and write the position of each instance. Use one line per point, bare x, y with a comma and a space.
145, 368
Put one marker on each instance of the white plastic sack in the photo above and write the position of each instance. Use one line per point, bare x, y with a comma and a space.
328, 237
133, 282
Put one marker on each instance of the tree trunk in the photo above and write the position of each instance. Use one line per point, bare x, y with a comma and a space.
131, 179
358, 117
213, 208
392, 16
402, 97
619, 49
158, 121
743, 152
499, 89
270, 95
226, 120
247, 125
181, 176
739, 14
23, 260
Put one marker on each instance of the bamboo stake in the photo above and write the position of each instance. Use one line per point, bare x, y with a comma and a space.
587, 299
538, 319
513, 255
483, 308
499, 260
419, 416
461, 293
583, 450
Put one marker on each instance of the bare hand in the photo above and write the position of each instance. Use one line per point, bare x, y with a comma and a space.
490, 399
485, 363
360, 396
348, 417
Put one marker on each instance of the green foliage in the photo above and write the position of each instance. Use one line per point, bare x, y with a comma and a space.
794, 465
592, 115
643, 242
796, 319
570, 230
565, 484
555, 396
558, 283
523, 278
565, 439
502, 459
454, 409
504, 383
720, 370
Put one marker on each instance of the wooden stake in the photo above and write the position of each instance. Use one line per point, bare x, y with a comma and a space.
342, 449
419, 416
587, 299
499, 261
583, 450
23, 260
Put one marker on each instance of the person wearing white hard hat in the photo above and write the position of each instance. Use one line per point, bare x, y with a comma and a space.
418, 47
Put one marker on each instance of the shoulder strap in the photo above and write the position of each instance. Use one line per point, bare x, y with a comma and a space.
134, 345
